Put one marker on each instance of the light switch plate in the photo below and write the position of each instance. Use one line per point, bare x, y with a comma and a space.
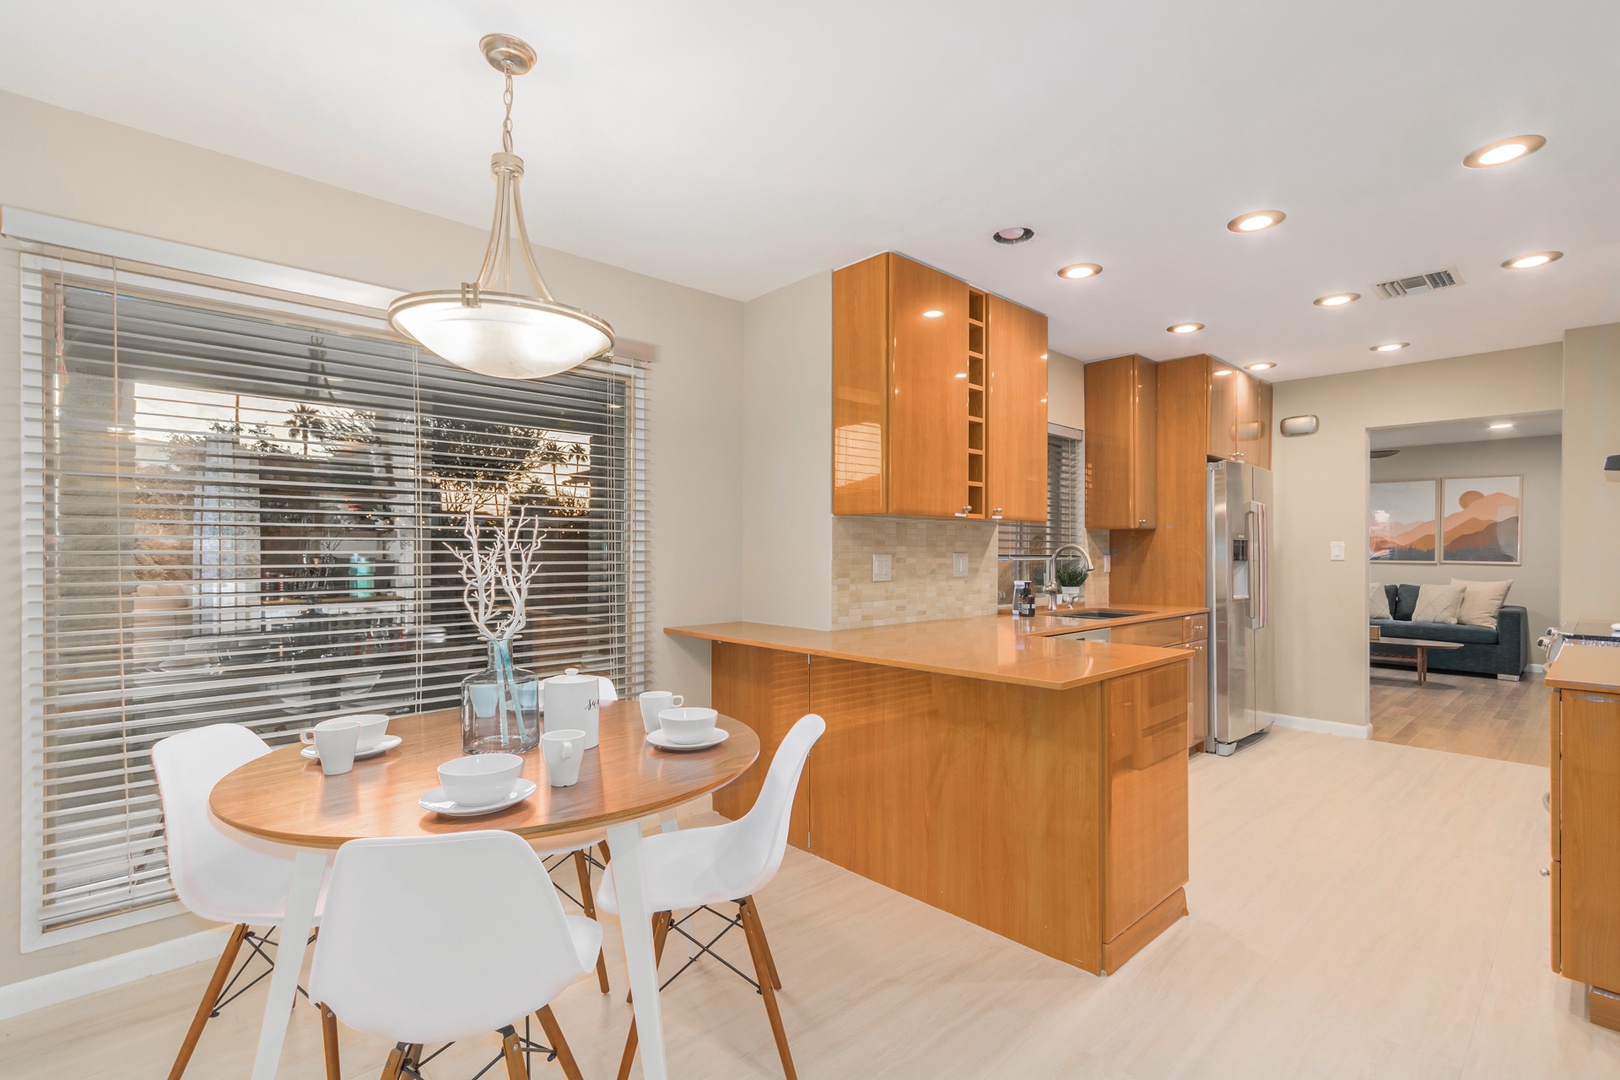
958, 564
1108, 561
882, 567
1336, 550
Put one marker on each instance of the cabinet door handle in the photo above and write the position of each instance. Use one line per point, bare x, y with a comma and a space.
1141, 523
997, 513
965, 511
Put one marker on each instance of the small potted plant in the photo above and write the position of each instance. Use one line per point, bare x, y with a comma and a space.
1071, 578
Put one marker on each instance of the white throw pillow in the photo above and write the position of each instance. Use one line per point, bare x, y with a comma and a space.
1481, 601
1377, 602
1438, 604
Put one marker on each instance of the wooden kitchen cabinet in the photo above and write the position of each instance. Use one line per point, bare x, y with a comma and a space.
1121, 444
1584, 870
1239, 415
939, 392
1190, 632
1015, 453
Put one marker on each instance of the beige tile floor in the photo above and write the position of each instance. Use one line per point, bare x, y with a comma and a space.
1360, 909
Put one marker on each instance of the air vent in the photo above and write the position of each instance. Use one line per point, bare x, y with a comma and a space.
1418, 284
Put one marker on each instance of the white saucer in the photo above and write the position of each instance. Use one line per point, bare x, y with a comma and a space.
385, 744
436, 802
660, 740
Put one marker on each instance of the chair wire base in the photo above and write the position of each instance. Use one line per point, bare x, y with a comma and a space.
706, 947
257, 943
415, 1059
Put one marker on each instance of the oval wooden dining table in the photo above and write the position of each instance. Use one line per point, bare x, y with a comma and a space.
285, 798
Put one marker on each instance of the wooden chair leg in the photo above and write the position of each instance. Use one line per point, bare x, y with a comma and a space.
554, 1036
661, 923
607, 856
394, 1067
329, 1044
582, 868
766, 990
764, 944
222, 971
512, 1050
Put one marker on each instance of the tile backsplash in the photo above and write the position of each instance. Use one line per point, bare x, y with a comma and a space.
921, 585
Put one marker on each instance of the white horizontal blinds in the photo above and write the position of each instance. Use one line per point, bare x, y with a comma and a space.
239, 513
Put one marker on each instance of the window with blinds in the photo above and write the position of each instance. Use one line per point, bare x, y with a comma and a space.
237, 509
1024, 546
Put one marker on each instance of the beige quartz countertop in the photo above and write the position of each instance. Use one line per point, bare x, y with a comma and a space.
1585, 667
996, 648
1045, 623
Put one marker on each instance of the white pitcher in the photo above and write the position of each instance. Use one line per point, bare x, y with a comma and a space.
572, 700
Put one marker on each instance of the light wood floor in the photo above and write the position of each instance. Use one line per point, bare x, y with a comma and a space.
1462, 714
1360, 909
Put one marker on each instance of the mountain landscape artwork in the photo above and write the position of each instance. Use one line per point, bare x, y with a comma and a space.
1402, 521
1481, 519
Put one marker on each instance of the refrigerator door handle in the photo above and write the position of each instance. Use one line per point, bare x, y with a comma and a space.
1255, 524
1262, 568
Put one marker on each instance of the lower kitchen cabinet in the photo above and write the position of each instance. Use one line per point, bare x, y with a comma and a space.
1053, 817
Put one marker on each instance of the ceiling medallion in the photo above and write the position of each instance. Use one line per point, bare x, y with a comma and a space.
485, 325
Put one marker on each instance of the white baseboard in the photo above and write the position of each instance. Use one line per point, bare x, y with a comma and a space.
75, 982
1538, 669
1323, 727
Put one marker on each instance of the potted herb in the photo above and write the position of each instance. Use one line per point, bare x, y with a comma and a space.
1071, 578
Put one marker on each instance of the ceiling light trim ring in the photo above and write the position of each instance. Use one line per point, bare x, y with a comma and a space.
1277, 217
1024, 232
1545, 257
1184, 327
1338, 299
1091, 271
1531, 144
1390, 346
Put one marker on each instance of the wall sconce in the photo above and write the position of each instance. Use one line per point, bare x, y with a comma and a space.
1612, 464
1293, 426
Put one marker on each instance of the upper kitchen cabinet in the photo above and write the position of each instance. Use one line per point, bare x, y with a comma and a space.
1239, 415
939, 397
1015, 449
1121, 444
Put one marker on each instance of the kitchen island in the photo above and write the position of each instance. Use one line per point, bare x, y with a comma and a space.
1031, 784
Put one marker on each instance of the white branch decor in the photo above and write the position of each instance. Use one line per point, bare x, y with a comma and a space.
504, 564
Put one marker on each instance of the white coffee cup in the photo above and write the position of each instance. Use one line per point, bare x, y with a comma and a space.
335, 741
480, 779
654, 702
563, 750
687, 726
373, 727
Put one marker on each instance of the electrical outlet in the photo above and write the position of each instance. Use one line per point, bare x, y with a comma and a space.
958, 564
882, 567
1336, 550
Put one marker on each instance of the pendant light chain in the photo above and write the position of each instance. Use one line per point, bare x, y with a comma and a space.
506, 128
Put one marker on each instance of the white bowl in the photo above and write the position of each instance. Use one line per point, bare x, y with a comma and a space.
687, 726
373, 726
478, 779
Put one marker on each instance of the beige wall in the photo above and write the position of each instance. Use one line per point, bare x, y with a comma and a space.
1535, 580
1320, 495
1591, 588
787, 456
69, 165
1065, 391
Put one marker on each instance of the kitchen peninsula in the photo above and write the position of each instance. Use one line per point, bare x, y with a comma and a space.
1033, 785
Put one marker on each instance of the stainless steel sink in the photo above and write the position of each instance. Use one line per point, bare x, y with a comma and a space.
1093, 614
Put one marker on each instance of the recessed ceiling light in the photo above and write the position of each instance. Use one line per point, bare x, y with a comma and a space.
1264, 365
1502, 426
1336, 299
1255, 221
1503, 151
1185, 327
1390, 346
1012, 236
1533, 260
933, 313
1080, 270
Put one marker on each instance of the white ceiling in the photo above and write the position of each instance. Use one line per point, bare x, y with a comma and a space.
1525, 426
737, 146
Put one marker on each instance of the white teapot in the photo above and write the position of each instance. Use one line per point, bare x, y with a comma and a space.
572, 701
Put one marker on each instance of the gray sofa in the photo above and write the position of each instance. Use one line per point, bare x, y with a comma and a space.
1504, 651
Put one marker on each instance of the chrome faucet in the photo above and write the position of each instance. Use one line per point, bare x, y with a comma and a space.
1051, 588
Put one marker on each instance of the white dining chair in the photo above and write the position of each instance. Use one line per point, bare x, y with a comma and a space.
441, 938
694, 868
215, 875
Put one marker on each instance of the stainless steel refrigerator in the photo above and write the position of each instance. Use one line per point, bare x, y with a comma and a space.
1238, 592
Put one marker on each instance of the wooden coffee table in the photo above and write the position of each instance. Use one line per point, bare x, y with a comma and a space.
1418, 645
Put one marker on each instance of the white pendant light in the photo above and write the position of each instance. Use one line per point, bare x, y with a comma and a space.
484, 326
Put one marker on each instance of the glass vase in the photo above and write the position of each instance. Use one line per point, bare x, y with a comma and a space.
500, 706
